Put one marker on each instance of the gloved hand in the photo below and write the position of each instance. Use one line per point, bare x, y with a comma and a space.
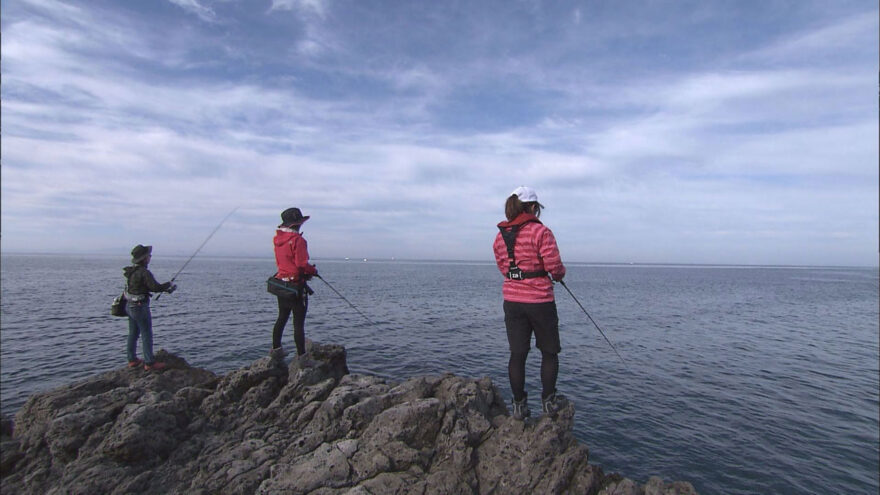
172, 288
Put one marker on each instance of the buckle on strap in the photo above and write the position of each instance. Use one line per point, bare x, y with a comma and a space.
516, 273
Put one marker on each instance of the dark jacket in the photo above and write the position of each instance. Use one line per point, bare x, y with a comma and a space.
142, 282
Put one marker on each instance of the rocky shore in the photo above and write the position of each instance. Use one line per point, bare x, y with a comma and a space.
304, 427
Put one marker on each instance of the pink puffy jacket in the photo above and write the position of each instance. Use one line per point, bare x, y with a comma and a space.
535, 250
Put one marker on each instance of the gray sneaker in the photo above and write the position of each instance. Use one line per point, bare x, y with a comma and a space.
521, 409
553, 403
277, 353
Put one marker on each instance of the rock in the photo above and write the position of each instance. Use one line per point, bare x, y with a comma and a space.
304, 427
10, 451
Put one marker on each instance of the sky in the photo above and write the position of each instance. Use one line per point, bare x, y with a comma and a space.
716, 132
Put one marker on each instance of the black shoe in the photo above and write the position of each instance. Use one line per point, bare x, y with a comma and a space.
521, 409
553, 403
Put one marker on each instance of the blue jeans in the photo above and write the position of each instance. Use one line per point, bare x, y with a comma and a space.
140, 323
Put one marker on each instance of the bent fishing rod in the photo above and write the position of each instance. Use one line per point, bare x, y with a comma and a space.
200, 247
591, 319
344, 299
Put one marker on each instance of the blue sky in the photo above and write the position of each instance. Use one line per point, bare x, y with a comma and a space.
742, 132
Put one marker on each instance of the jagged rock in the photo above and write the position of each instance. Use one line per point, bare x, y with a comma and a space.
304, 427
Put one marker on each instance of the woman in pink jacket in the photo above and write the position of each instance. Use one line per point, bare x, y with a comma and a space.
527, 256
292, 258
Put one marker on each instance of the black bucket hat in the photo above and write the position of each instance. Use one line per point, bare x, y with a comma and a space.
292, 216
140, 253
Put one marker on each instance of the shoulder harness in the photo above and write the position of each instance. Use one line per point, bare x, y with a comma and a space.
514, 272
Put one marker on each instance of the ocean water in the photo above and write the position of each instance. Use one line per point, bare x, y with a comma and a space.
739, 379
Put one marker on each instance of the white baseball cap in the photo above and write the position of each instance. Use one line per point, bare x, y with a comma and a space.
525, 194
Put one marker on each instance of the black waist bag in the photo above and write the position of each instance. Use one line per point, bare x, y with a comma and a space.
285, 289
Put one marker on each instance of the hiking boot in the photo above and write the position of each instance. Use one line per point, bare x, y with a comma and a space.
520, 409
135, 363
158, 365
553, 403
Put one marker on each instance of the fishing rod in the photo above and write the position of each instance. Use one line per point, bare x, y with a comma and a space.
344, 299
591, 319
200, 247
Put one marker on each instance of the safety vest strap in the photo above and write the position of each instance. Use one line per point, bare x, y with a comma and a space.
514, 272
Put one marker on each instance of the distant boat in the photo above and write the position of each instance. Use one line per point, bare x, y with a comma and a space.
365, 259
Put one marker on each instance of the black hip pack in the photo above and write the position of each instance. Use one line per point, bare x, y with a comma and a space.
283, 288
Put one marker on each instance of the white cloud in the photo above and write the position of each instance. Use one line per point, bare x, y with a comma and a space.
316, 7
836, 39
94, 110
194, 7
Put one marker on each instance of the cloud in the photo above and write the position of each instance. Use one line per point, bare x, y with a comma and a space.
315, 7
839, 40
194, 7
317, 40
393, 136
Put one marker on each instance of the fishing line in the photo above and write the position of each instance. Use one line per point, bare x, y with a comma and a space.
591, 319
200, 247
344, 299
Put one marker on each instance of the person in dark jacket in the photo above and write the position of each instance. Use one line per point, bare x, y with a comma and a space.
292, 259
139, 285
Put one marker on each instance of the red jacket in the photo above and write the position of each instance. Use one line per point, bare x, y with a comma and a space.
292, 256
535, 250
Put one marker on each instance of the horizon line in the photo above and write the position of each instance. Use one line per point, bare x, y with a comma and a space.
362, 259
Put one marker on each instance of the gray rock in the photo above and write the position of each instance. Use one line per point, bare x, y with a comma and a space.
304, 427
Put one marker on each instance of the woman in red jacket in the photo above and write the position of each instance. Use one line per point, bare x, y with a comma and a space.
292, 258
527, 256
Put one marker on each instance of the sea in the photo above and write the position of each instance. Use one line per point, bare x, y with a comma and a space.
739, 379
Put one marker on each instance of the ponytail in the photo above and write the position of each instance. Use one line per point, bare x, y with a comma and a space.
514, 207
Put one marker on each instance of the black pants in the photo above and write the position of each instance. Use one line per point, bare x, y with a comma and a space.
521, 320
298, 306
